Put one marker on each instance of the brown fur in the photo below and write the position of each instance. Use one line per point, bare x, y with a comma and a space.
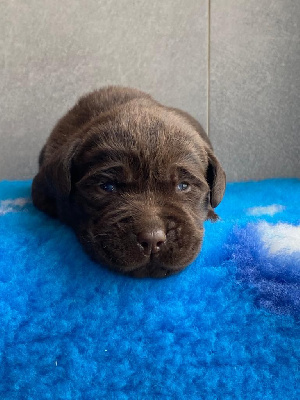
122, 137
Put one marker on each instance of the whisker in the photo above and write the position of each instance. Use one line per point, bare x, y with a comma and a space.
100, 234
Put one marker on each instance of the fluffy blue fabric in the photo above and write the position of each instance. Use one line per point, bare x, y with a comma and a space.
225, 328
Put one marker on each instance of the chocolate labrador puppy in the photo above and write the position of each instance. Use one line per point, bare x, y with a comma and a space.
133, 178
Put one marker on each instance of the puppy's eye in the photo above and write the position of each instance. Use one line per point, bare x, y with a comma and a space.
108, 187
183, 187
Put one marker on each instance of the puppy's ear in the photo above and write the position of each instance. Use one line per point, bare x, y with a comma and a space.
57, 171
216, 179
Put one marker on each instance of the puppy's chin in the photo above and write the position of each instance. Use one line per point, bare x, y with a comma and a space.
154, 271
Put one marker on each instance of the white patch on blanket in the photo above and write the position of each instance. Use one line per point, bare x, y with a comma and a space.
268, 210
13, 205
280, 238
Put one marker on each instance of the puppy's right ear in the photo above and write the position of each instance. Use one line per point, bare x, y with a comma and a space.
57, 171
216, 179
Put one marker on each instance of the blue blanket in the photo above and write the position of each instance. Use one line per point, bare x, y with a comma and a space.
225, 328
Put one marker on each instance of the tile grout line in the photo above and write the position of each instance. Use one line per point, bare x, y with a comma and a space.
208, 68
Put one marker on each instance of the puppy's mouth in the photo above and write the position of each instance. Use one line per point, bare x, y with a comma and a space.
122, 253
153, 265
153, 270
150, 267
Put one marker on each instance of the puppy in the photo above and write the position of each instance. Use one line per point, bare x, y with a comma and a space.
133, 178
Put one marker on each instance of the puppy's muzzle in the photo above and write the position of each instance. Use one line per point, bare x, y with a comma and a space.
151, 240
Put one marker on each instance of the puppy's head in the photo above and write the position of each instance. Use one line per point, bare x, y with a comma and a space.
137, 189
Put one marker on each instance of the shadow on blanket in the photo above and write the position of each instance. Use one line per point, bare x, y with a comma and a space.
225, 328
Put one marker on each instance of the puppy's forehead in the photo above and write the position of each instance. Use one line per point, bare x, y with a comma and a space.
153, 139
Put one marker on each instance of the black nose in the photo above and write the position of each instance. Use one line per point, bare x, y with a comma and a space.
151, 240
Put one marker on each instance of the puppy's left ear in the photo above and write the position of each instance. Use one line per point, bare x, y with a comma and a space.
216, 179
58, 170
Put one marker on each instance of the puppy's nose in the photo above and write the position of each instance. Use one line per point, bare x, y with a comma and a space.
151, 240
